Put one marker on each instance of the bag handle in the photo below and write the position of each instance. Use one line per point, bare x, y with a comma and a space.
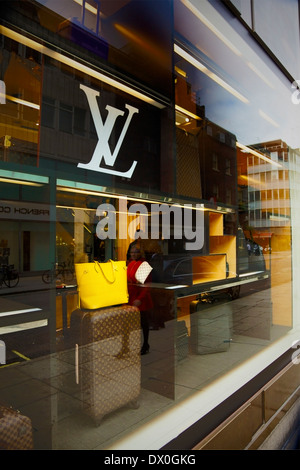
113, 270
96, 263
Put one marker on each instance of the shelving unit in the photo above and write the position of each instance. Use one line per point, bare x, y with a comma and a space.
209, 268
220, 263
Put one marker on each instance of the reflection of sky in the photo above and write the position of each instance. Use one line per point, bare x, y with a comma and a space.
227, 49
270, 113
279, 16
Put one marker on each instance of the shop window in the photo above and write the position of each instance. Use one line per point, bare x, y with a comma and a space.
215, 162
213, 168
216, 191
221, 136
228, 167
48, 112
228, 196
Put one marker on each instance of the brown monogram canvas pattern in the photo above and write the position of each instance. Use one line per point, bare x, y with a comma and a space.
143, 272
109, 358
15, 430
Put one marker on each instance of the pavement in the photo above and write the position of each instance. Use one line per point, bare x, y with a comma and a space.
28, 284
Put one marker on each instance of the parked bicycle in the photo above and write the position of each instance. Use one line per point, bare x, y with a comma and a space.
59, 273
8, 275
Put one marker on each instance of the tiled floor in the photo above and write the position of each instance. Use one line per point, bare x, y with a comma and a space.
45, 388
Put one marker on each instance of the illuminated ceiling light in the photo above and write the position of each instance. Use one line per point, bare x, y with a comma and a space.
211, 27
24, 102
23, 178
78, 66
224, 39
180, 72
74, 208
268, 118
251, 181
88, 6
91, 190
25, 183
257, 154
188, 113
196, 63
260, 74
144, 43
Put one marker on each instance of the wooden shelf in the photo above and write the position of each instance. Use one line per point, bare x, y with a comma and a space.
220, 263
215, 224
209, 268
225, 244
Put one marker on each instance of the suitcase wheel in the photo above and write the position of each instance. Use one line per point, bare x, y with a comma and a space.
134, 404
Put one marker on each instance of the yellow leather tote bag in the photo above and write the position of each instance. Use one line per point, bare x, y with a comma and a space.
101, 284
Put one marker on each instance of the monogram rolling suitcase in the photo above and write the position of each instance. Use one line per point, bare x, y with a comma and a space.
211, 327
15, 430
107, 358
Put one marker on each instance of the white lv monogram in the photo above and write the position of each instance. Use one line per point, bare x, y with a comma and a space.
102, 149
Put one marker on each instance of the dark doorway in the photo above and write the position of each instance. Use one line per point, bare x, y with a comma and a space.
26, 251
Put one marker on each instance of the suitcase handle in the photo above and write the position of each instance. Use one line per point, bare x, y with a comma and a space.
76, 364
112, 269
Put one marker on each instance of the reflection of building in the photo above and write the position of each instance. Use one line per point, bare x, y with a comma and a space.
206, 153
264, 189
265, 208
268, 189
196, 84
218, 163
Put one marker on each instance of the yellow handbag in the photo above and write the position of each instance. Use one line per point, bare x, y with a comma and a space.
101, 284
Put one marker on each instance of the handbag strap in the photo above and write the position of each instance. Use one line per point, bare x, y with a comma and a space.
113, 270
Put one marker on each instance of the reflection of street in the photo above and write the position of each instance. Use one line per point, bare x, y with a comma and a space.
252, 312
252, 287
21, 301
26, 284
24, 319
32, 382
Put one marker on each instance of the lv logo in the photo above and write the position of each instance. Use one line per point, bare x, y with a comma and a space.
102, 150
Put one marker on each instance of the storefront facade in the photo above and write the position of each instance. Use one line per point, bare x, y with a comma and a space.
179, 119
